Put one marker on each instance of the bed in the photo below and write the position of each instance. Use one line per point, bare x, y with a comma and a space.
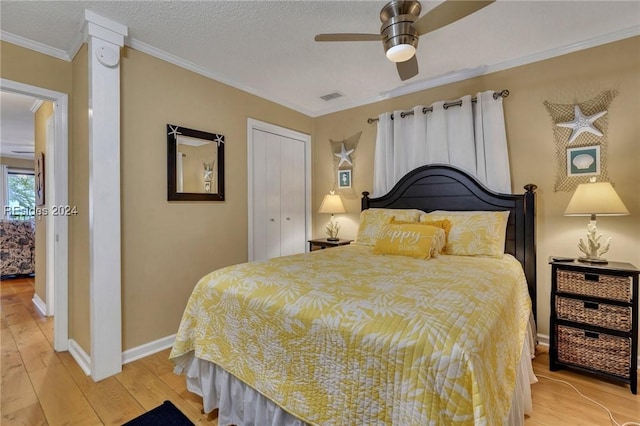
351, 336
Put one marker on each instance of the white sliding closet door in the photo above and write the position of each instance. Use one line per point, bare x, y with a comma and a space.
279, 219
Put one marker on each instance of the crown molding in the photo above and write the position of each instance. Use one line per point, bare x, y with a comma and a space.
466, 74
76, 44
34, 45
569, 48
183, 63
405, 89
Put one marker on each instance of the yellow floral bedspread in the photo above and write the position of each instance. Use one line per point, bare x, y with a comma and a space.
345, 337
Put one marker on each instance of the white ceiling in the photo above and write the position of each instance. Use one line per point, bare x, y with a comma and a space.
16, 125
267, 47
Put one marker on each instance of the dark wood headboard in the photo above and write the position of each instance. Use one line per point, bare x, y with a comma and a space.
441, 187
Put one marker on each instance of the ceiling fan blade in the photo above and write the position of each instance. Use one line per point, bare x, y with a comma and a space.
348, 37
408, 69
446, 13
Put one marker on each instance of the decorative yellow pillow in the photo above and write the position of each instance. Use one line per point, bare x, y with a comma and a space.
444, 224
473, 233
440, 243
372, 220
411, 239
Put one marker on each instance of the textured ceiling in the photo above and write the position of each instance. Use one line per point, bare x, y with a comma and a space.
267, 47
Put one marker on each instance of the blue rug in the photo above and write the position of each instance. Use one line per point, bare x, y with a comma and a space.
165, 415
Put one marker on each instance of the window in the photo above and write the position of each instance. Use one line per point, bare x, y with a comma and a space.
21, 195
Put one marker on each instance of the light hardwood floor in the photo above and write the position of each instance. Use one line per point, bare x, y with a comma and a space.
42, 387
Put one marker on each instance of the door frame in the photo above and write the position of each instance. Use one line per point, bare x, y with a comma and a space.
252, 125
49, 176
57, 187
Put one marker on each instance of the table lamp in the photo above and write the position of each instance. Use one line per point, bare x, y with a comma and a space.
332, 203
591, 199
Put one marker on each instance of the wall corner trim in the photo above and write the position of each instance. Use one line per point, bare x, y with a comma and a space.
40, 305
81, 357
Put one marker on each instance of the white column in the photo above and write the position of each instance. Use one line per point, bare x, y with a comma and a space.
104, 38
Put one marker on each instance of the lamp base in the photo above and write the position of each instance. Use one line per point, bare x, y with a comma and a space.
593, 260
333, 239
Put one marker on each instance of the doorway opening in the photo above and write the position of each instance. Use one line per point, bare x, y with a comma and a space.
57, 226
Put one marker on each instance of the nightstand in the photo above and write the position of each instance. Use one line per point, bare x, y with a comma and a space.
594, 319
323, 243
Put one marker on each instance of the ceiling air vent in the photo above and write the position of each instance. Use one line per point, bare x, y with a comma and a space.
331, 96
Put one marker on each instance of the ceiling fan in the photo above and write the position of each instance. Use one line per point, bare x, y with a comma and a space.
402, 26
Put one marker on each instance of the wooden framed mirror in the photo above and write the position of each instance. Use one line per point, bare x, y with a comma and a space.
195, 165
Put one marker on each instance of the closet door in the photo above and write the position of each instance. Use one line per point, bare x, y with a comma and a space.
292, 197
279, 195
273, 195
266, 195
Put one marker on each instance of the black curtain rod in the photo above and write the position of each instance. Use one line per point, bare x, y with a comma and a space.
496, 95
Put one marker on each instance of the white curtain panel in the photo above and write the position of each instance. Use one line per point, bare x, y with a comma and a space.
471, 137
492, 167
4, 189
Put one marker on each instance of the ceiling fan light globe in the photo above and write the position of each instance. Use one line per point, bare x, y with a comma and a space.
401, 52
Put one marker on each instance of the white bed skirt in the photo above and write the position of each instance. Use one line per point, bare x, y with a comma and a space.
241, 405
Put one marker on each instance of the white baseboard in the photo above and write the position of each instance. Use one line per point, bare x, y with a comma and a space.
543, 340
147, 349
40, 305
84, 360
81, 357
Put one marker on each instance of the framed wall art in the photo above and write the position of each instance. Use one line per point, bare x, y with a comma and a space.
39, 179
583, 161
344, 178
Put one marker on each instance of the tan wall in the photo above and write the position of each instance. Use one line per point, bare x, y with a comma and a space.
17, 162
40, 122
30, 67
566, 79
79, 318
168, 246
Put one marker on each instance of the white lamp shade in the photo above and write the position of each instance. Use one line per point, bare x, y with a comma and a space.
401, 52
332, 203
596, 198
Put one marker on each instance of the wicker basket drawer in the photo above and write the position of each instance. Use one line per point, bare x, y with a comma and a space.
597, 351
597, 314
596, 285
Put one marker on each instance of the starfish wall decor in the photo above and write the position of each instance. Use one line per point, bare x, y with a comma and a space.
589, 132
174, 131
344, 155
582, 123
